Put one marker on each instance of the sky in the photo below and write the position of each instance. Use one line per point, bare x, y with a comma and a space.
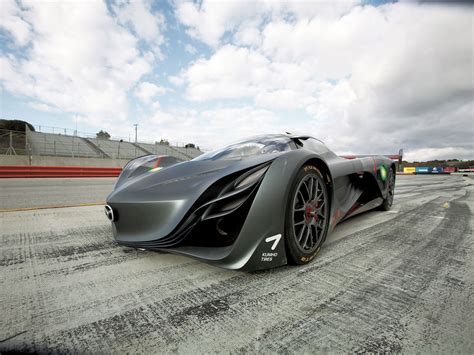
367, 77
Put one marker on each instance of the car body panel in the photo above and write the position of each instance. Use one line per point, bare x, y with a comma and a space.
174, 208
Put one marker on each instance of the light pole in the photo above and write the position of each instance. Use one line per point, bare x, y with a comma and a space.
136, 128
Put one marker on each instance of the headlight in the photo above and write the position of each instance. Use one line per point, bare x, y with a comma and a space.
135, 163
137, 167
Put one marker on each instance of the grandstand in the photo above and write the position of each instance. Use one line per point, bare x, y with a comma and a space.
53, 144
60, 145
117, 149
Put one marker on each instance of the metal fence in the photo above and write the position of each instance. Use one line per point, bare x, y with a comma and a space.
12, 143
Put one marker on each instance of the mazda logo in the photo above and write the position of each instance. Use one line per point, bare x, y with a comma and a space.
109, 212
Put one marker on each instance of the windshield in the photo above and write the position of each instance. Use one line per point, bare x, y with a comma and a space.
250, 147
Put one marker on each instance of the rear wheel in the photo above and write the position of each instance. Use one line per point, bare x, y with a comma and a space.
388, 201
307, 215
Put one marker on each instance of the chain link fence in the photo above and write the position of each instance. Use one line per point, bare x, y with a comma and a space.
12, 142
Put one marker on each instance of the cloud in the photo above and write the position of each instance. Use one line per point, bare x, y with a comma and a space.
79, 58
176, 80
212, 128
213, 78
427, 154
364, 78
370, 79
210, 21
147, 91
283, 99
248, 34
43, 107
190, 49
12, 21
148, 26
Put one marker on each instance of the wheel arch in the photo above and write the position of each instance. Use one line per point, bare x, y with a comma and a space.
271, 196
327, 176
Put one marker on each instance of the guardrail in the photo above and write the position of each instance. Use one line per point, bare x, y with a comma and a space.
16, 171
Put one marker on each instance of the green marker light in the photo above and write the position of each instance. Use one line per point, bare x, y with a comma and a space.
383, 172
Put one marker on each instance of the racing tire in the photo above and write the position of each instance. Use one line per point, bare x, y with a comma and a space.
307, 215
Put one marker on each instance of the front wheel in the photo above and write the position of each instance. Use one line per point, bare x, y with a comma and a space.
307, 215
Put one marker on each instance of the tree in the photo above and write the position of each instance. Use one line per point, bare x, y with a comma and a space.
164, 142
15, 125
190, 145
103, 134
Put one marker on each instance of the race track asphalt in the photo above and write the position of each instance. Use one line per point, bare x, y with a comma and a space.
45, 192
395, 281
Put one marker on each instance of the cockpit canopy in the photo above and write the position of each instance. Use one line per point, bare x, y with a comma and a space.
264, 144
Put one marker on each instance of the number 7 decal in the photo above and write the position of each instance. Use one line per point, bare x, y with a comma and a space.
275, 238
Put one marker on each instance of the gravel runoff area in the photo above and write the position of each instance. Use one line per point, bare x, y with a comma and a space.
384, 281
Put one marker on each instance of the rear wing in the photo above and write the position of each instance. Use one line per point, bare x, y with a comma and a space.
395, 157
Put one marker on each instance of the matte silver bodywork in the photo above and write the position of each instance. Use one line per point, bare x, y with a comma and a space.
154, 210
